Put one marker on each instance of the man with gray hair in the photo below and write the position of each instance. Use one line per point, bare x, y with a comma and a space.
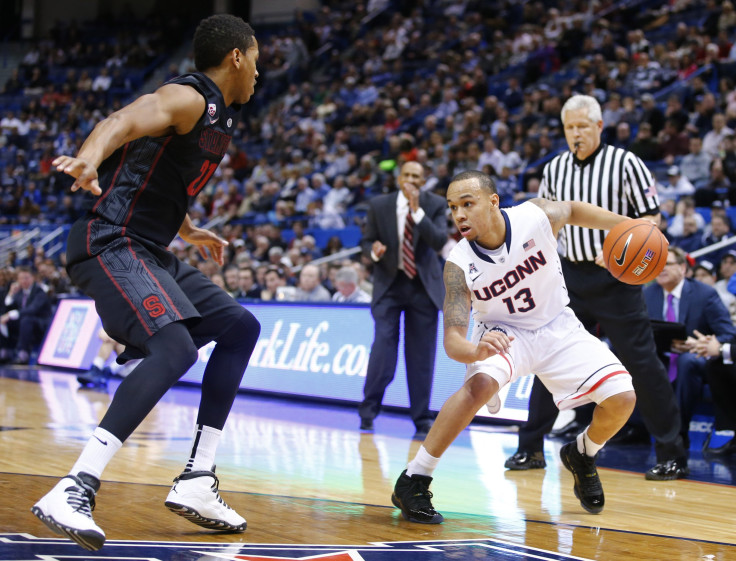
348, 291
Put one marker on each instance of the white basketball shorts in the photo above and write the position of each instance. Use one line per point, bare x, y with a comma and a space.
575, 366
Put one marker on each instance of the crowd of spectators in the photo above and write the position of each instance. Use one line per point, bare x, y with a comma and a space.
349, 92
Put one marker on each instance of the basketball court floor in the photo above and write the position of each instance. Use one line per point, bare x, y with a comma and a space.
313, 487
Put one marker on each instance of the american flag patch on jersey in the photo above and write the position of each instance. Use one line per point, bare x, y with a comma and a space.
528, 245
652, 191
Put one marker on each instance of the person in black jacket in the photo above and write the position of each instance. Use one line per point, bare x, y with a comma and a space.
25, 319
404, 232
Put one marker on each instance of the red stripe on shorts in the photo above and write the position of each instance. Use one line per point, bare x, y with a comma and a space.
599, 382
161, 288
140, 317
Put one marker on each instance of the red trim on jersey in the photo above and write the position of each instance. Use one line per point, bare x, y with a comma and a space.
114, 178
107, 272
145, 183
161, 288
89, 236
599, 382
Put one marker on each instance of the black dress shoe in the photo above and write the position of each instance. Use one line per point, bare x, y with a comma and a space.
366, 424
669, 470
726, 450
526, 460
568, 432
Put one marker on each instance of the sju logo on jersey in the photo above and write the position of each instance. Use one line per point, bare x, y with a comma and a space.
212, 109
513, 277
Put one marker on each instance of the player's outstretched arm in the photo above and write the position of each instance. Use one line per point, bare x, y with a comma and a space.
172, 109
578, 214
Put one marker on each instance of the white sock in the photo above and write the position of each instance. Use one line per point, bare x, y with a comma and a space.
99, 362
422, 464
204, 446
98, 452
586, 445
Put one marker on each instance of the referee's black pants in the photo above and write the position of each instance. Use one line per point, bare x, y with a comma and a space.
620, 310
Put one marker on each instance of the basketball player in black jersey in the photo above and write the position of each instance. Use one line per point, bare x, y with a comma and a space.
146, 163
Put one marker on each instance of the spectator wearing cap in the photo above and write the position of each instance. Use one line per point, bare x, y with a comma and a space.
695, 165
348, 291
705, 272
677, 185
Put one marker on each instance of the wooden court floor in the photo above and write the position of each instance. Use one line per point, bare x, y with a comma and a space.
312, 487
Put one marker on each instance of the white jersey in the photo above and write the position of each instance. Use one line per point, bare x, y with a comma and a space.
519, 284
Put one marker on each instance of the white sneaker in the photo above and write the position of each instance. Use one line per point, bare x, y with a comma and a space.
494, 404
195, 496
67, 509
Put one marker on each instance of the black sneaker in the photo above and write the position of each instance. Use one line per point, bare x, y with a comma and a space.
668, 471
526, 460
413, 497
588, 486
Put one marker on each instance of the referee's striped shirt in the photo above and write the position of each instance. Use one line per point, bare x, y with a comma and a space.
611, 178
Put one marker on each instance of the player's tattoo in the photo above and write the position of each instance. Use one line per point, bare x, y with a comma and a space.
557, 213
457, 297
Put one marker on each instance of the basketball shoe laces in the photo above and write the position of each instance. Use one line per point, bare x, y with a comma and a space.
81, 497
215, 485
421, 496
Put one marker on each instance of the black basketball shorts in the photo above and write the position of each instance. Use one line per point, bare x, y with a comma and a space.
138, 288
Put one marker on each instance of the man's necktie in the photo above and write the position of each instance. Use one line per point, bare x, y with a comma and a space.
407, 250
672, 370
24, 300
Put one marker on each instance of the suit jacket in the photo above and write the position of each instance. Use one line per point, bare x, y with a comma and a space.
700, 308
430, 235
38, 304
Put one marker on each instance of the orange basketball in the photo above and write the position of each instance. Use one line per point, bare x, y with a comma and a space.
635, 251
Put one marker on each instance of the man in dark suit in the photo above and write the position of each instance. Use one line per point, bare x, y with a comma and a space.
698, 306
403, 233
24, 322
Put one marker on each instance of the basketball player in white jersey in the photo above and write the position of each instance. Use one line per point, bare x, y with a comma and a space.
507, 268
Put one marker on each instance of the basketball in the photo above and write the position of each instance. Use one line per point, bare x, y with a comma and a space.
635, 251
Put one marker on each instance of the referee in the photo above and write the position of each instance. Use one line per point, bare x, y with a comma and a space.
616, 180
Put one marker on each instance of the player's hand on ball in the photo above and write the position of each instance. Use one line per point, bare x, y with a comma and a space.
493, 343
